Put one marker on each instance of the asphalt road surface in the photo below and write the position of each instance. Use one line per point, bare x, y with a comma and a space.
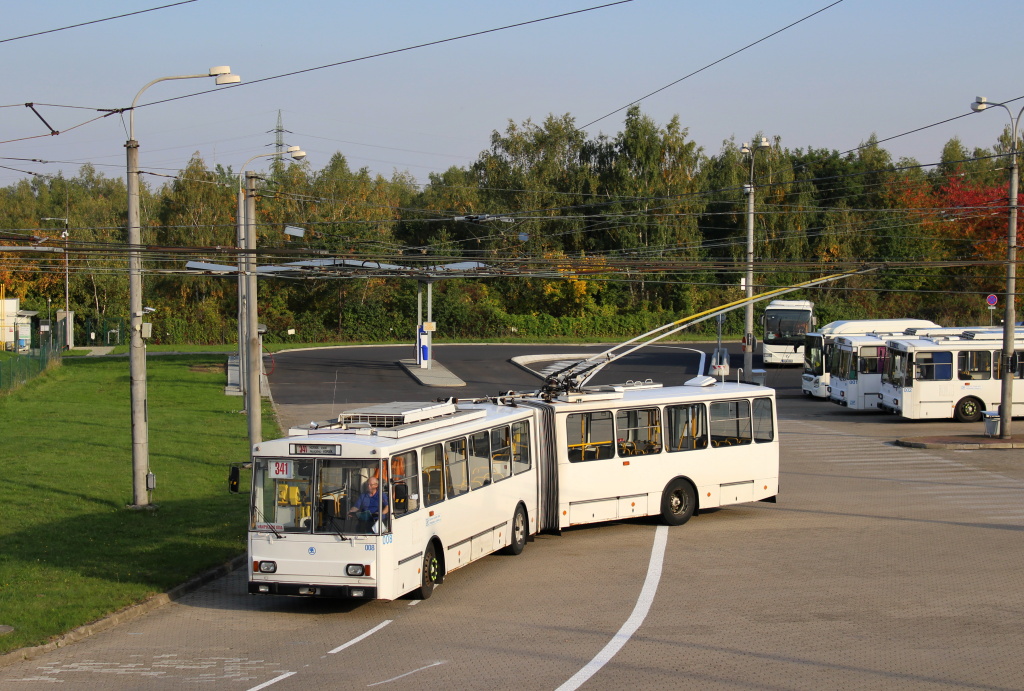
880, 567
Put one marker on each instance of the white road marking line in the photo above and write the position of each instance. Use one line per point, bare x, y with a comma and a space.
643, 606
272, 681
355, 640
400, 676
413, 603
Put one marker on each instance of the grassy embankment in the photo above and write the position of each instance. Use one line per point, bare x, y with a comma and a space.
71, 550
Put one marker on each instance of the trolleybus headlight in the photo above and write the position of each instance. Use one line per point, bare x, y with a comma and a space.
358, 569
268, 567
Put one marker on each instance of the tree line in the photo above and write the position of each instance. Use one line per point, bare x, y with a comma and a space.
609, 236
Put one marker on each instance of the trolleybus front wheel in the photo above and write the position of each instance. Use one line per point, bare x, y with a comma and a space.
518, 532
431, 573
678, 502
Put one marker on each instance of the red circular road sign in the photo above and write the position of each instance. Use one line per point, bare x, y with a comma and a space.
992, 300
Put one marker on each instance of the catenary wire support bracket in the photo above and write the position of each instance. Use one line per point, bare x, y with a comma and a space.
32, 106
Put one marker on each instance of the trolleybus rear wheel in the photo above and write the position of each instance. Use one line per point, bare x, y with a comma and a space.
678, 502
431, 574
967, 410
518, 532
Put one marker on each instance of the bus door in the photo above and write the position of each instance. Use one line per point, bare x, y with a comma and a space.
933, 384
593, 476
402, 547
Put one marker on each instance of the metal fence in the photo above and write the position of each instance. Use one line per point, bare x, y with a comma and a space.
20, 365
90, 333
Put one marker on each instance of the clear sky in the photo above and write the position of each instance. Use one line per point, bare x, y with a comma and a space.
857, 68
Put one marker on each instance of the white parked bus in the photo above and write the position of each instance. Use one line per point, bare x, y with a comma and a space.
858, 362
947, 376
456, 481
818, 347
785, 324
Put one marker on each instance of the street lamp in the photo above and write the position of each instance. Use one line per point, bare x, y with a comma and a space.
748, 310
137, 349
248, 328
67, 291
1009, 319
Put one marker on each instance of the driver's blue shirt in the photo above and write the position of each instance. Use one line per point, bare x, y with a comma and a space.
369, 502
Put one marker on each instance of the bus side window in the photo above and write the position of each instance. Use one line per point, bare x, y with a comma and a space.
479, 460
973, 365
456, 466
405, 495
638, 431
590, 436
500, 453
433, 475
730, 423
687, 427
520, 447
764, 428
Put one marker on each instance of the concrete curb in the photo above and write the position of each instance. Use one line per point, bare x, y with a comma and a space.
124, 615
924, 443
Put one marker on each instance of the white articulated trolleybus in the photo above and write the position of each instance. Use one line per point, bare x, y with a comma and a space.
818, 347
786, 322
458, 481
948, 376
388, 499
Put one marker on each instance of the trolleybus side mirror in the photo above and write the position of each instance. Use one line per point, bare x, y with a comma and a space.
234, 474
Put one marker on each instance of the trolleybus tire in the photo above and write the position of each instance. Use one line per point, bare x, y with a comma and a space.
678, 502
967, 410
431, 574
519, 529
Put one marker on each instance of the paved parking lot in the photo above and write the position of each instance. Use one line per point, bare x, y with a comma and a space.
880, 567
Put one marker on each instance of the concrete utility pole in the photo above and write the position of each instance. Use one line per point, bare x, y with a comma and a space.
254, 407
141, 482
748, 311
1010, 315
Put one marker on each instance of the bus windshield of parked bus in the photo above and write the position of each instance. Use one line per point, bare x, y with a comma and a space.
814, 355
786, 327
897, 369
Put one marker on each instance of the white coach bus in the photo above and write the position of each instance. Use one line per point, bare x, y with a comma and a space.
818, 347
388, 499
785, 322
947, 376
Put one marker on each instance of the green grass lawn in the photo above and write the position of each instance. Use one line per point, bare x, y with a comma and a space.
71, 550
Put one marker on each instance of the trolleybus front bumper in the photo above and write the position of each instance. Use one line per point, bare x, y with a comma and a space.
358, 592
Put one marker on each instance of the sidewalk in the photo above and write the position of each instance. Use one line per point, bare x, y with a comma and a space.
437, 375
963, 442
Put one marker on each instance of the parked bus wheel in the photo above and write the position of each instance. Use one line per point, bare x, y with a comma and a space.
678, 502
967, 410
519, 530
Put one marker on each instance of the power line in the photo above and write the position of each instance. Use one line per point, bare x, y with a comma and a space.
95, 21
395, 51
712, 64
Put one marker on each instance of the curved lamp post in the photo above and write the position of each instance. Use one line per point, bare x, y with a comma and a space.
248, 328
137, 350
1009, 319
748, 310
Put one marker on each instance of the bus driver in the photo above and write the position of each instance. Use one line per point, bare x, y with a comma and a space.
366, 507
